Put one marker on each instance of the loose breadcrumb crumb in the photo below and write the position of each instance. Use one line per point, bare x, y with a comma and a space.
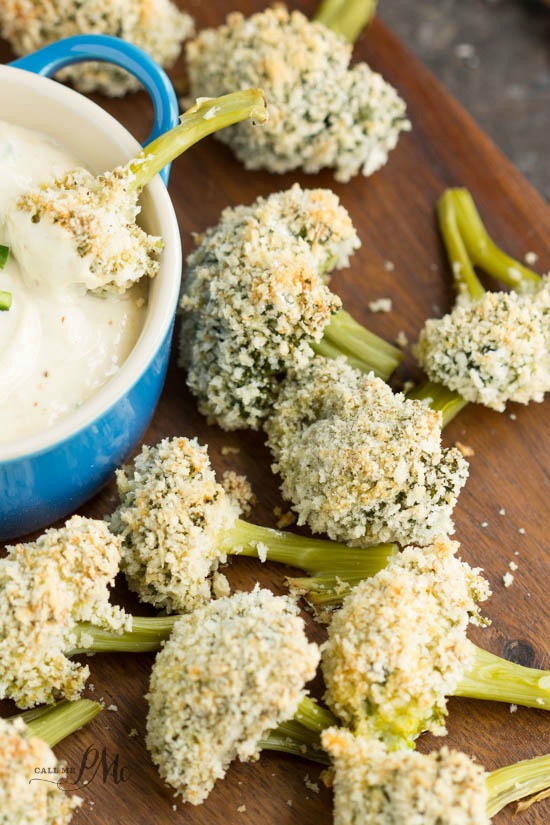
22, 801
230, 450
401, 339
374, 786
531, 258
397, 647
360, 462
256, 297
513, 708
466, 451
172, 512
493, 350
284, 517
322, 112
507, 580
230, 672
47, 587
312, 786
157, 26
381, 305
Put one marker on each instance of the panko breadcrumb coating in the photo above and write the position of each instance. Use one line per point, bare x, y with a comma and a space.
398, 645
157, 26
170, 518
46, 588
360, 462
26, 802
375, 787
231, 671
322, 112
94, 219
492, 350
256, 297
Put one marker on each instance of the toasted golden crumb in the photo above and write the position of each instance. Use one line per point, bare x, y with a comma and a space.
25, 799
466, 451
493, 350
374, 786
157, 26
360, 462
171, 515
256, 298
46, 588
239, 490
230, 672
397, 647
322, 112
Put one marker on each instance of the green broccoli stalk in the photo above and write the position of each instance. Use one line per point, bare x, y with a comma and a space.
468, 244
346, 17
333, 568
147, 635
364, 350
491, 677
55, 722
5, 297
301, 735
517, 781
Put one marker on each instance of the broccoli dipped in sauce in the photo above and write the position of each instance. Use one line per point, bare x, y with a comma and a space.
398, 647
377, 786
157, 26
177, 524
231, 671
26, 743
493, 347
88, 223
360, 462
323, 112
256, 303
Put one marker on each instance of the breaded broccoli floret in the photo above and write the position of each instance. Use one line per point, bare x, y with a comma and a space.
360, 462
492, 350
256, 302
46, 588
26, 802
398, 645
177, 525
171, 516
88, 223
231, 671
157, 26
374, 786
323, 113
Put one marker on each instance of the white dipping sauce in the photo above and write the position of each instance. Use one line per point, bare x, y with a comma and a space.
57, 346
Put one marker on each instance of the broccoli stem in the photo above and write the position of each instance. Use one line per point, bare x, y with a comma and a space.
147, 635
448, 402
497, 679
302, 734
314, 717
4, 255
461, 265
363, 349
482, 250
333, 567
517, 781
346, 17
208, 115
55, 722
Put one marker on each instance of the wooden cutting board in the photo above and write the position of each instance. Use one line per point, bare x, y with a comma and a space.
510, 470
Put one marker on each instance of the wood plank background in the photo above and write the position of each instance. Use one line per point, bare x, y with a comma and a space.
394, 214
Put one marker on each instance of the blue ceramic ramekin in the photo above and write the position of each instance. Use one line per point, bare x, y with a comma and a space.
50, 474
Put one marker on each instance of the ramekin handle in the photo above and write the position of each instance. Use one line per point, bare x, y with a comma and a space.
106, 49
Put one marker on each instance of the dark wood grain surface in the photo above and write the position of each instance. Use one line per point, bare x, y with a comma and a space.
394, 214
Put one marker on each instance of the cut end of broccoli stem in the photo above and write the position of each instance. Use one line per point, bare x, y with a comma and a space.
346, 17
208, 115
314, 717
514, 782
56, 722
147, 635
499, 680
482, 250
448, 402
364, 350
332, 563
302, 735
